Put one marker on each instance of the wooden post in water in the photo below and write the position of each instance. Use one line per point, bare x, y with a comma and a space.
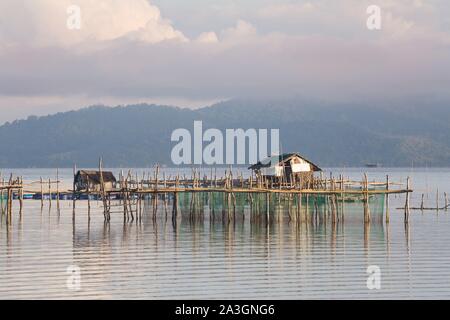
49, 193
21, 197
57, 189
6, 203
446, 201
307, 208
407, 201
316, 210
6, 194
175, 207
128, 195
11, 204
42, 194
422, 203
366, 200
299, 207
102, 189
1, 194
437, 200
74, 191
9, 209
88, 199
334, 208
138, 195
387, 200
124, 196
10, 196
342, 198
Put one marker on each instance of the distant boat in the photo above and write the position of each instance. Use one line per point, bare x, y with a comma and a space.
373, 165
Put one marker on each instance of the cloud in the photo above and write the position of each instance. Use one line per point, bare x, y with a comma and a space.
241, 31
129, 52
267, 65
282, 10
208, 37
346, 19
396, 26
44, 22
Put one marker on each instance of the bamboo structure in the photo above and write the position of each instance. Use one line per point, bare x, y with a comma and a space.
316, 201
11, 188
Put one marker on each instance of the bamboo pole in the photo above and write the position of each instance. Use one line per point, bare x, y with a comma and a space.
422, 203
307, 209
10, 196
388, 218
407, 201
88, 198
57, 189
74, 192
42, 193
366, 200
437, 200
21, 197
1, 195
124, 197
102, 190
446, 201
175, 207
9, 208
49, 193
342, 198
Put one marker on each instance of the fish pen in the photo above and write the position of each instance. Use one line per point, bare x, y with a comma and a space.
225, 197
299, 207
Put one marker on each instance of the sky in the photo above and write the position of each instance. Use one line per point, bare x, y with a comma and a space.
193, 53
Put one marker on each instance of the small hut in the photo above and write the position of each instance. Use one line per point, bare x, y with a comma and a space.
83, 177
288, 167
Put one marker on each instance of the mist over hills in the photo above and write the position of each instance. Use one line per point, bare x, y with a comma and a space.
139, 135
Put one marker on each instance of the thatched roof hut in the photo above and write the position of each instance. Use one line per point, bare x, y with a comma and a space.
83, 177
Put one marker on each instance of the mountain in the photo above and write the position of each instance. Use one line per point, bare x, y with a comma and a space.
139, 135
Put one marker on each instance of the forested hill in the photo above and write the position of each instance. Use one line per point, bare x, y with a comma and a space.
139, 135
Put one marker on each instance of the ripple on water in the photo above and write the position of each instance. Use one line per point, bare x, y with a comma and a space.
219, 260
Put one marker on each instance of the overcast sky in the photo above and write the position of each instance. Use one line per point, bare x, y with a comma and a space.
195, 52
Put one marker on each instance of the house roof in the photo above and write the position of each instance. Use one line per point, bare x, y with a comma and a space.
94, 176
267, 162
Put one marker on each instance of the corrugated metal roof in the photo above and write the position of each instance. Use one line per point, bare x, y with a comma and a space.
274, 160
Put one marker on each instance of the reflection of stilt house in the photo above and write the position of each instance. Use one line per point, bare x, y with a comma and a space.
83, 177
286, 168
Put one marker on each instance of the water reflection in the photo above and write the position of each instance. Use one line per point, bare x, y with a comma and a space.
248, 256
212, 256
191, 232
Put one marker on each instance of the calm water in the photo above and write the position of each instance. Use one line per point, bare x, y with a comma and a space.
156, 260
